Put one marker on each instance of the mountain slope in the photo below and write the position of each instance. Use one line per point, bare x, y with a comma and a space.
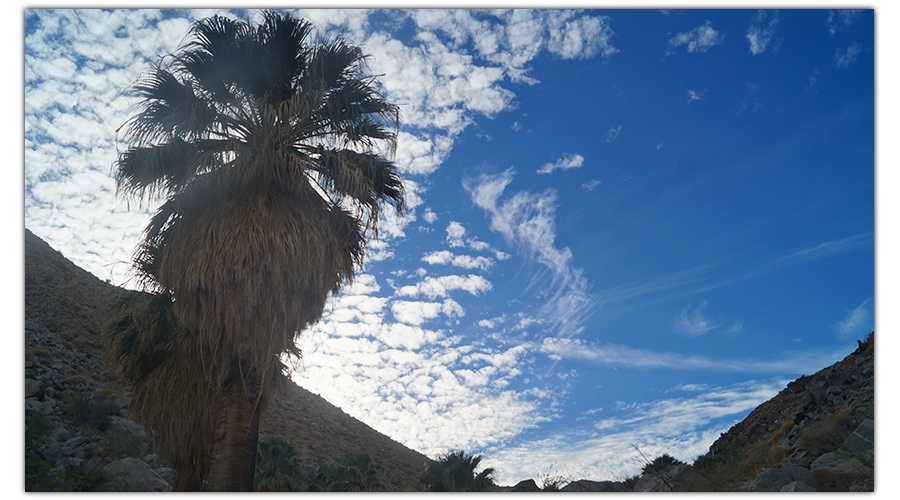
65, 310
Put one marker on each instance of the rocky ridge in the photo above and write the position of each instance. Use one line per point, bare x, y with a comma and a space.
815, 435
79, 435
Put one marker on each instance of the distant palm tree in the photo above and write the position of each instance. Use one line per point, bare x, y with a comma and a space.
277, 466
265, 152
455, 471
355, 470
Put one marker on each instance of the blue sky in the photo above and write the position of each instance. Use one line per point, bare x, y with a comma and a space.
626, 226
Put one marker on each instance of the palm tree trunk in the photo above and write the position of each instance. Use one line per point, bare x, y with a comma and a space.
186, 479
233, 460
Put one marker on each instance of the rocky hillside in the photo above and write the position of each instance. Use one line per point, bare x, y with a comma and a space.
815, 435
79, 435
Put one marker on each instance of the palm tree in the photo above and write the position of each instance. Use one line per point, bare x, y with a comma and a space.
455, 471
266, 153
277, 466
355, 470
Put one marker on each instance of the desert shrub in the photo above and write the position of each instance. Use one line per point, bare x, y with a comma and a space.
659, 463
631, 482
42, 473
785, 428
826, 435
553, 481
89, 411
355, 470
725, 454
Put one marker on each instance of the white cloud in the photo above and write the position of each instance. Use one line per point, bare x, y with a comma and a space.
455, 233
694, 323
857, 323
603, 447
429, 216
527, 221
580, 38
445, 257
844, 20
614, 355
760, 33
421, 154
613, 133
700, 39
695, 96
592, 185
846, 58
568, 161
443, 285
416, 313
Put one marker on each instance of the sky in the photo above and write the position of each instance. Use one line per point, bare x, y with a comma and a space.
627, 228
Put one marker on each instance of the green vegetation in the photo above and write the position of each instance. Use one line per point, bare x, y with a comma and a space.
90, 411
455, 471
277, 466
355, 470
658, 464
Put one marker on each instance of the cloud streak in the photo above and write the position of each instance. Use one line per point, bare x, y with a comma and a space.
613, 355
567, 162
760, 32
527, 221
602, 447
699, 39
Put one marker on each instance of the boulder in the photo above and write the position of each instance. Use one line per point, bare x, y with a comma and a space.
133, 474
863, 438
584, 485
526, 485
774, 478
838, 464
797, 486
32, 387
669, 479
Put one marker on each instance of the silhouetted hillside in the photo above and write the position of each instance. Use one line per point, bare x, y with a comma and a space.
65, 310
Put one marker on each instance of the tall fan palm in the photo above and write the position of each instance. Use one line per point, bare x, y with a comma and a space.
455, 471
266, 150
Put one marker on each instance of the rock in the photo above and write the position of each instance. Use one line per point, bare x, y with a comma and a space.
41, 407
32, 387
774, 478
797, 486
133, 474
61, 434
669, 479
526, 485
595, 486
863, 438
76, 441
123, 425
838, 467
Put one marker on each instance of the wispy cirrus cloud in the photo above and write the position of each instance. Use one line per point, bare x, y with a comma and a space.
841, 20
567, 162
843, 59
613, 355
761, 31
833, 247
683, 426
699, 39
858, 322
527, 221
694, 323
